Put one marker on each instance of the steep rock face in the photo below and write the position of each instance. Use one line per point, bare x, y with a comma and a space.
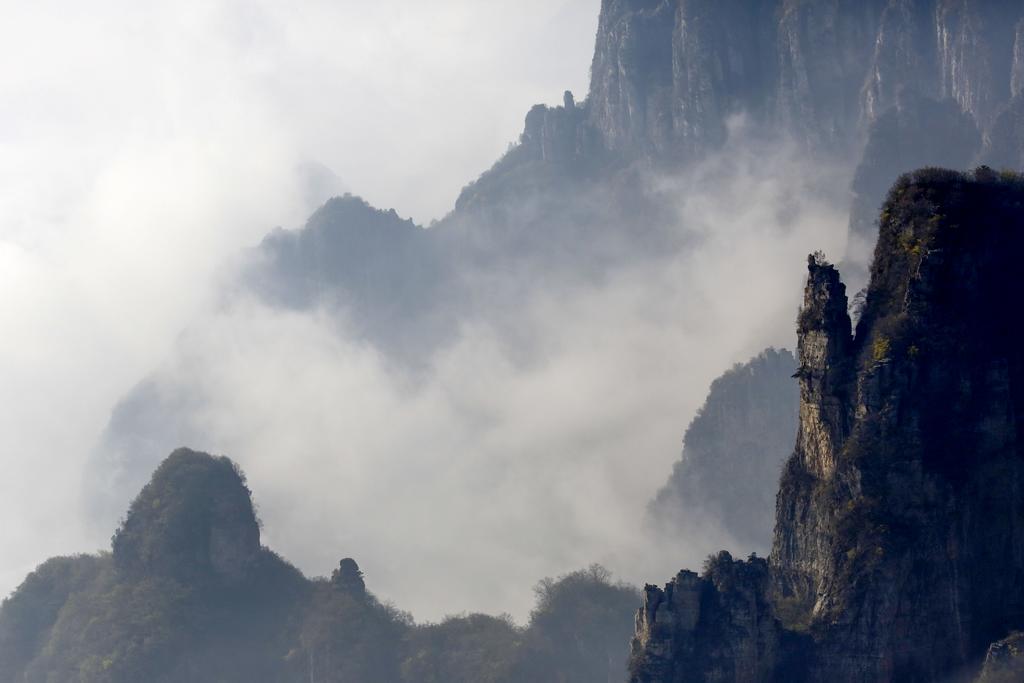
733, 454
1017, 70
899, 536
667, 74
976, 45
632, 74
904, 53
941, 70
714, 627
555, 134
918, 81
822, 49
723, 64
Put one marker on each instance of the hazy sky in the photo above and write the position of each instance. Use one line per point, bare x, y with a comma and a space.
143, 145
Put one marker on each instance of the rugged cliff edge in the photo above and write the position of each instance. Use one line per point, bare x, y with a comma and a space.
899, 538
668, 73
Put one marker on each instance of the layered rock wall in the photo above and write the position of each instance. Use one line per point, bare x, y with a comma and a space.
899, 537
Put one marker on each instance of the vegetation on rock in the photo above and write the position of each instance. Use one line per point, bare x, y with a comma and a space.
189, 594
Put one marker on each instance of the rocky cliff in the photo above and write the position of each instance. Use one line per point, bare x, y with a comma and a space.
899, 520
732, 457
719, 626
899, 545
901, 83
668, 73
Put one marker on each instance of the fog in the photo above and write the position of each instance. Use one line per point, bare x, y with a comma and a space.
141, 144
143, 148
513, 456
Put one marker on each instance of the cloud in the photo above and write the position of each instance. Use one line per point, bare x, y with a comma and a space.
144, 144
141, 147
457, 488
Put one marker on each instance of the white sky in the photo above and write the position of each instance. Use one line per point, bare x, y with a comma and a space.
141, 143
406, 101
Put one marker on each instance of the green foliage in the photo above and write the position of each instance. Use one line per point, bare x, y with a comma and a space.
476, 647
120, 632
577, 632
27, 616
936, 311
880, 348
164, 609
194, 520
579, 629
793, 613
346, 637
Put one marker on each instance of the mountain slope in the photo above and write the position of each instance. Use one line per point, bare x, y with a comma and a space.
189, 594
899, 549
733, 454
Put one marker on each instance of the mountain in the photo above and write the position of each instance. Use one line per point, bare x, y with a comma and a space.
880, 86
898, 541
915, 447
188, 593
733, 454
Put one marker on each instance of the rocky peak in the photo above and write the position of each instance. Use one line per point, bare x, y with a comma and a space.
194, 520
717, 626
824, 330
899, 546
348, 578
556, 134
883, 544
